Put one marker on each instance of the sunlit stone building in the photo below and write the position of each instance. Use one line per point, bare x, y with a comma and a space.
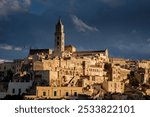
66, 72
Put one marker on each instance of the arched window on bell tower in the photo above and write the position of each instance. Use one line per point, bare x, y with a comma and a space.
59, 37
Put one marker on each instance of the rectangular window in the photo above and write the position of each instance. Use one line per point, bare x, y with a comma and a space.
55, 93
67, 94
13, 90
19, 91
93, 78
75, 93
44, 93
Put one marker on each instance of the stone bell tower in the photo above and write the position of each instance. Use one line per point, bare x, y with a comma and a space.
59, 39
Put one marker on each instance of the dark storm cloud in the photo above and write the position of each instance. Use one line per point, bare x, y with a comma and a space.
9, 6
121, 25
113, 3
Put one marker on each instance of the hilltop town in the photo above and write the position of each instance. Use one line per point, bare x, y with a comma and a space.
66, 73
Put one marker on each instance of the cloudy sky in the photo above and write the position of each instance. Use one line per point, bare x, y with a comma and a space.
122, 26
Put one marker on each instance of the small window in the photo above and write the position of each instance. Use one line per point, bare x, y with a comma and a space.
75, 93
44, 93
4, 68
19, 91
55, 93
57, 43
67, 94
13, 90
93, 78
